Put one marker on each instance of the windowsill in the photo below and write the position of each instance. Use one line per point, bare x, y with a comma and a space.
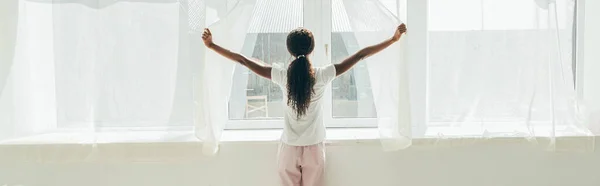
334, 136
351, 135
165, 146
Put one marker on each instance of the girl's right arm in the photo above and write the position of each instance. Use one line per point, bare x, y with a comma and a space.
257, 67
349, 62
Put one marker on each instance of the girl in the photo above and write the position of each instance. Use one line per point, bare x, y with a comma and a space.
302, 153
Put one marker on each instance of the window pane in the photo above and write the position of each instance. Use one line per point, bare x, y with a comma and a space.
352, 95
252, 96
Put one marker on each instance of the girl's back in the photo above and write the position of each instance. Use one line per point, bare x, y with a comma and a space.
307, 129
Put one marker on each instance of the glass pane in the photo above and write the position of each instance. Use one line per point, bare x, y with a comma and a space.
352, 95
252, 96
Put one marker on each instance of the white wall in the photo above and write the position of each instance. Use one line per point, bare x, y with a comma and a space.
348, 165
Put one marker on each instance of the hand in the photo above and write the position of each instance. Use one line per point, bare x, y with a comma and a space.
399, 31
207, 38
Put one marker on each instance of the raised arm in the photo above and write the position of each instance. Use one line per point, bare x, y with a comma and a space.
257, 67
349, 62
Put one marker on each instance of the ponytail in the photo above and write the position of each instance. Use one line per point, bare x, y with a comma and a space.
300, 84
300, 75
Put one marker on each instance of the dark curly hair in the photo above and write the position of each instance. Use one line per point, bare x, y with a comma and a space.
300, 74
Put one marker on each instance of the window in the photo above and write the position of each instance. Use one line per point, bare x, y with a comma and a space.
257, 103
471, 43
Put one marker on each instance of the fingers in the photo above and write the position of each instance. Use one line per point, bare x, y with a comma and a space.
402, 28
206, 34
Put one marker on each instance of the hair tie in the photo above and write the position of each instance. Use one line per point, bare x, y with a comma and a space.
300, 56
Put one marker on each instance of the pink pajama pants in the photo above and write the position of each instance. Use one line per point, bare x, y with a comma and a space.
301, 165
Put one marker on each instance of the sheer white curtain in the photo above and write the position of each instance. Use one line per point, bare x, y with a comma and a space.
495, 69
214, 80
85, 67
26, 70
117, 64
503, 68
102, 66
8, 28
372, 23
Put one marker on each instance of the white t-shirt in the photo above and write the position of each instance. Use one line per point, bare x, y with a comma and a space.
308, 129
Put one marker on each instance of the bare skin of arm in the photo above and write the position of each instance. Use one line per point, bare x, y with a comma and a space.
256, 66
349, 62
